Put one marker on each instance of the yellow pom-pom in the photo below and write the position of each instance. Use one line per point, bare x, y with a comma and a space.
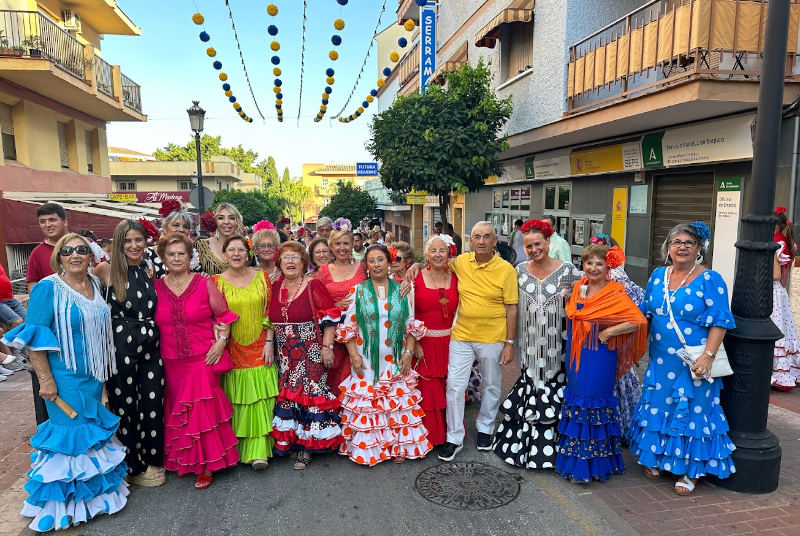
360, 110
394, 56
333, 55
330, 80
275, 46
323, 107
276, 71
211, 52
235, 105
276, 89
325, 96
198, 19
223, 76
381, 82
338, 24
370, 98
241, 113
409, 25
228, 93
272, 10
278, 101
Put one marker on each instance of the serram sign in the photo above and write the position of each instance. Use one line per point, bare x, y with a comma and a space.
427, 47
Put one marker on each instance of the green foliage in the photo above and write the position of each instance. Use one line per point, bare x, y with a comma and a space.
254, 206
351, 202
442, 140
290, 194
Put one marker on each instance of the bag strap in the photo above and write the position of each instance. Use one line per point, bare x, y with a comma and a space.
671, 317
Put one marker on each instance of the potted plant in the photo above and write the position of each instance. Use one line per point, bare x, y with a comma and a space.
35, 45
5, 49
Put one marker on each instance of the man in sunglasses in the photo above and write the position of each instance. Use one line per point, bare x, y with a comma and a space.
53, 223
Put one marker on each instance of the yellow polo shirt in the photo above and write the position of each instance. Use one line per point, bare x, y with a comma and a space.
483, 293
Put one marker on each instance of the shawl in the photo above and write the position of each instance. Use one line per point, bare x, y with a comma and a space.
609, 307
784, 256
368, 317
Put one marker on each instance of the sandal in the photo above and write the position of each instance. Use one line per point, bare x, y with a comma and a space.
302, 462
203, 481
260, 465
399, 459
652, 473
151, 478
685, 486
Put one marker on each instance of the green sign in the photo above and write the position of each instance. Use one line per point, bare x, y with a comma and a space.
529, 173
653, 151
730, 185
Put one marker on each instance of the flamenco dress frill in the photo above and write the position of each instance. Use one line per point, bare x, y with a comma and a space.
306, 416
78, 465
251, 387
590, 439
786, 359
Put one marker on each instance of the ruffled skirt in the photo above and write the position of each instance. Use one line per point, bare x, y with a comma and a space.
383, 420
252, 393
432, 386
628, 391
197, 419
786, 360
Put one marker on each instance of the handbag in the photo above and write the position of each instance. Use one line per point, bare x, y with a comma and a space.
720, 367
225, 363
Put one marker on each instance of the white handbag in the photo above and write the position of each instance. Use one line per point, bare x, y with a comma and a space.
720, 367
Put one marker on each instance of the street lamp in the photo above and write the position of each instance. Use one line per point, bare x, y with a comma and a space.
196, 119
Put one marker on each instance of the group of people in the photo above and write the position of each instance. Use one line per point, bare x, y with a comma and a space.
191, 357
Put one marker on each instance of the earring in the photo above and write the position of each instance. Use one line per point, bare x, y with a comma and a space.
699, 259
446, 267
216, 235
428, 267
367, 273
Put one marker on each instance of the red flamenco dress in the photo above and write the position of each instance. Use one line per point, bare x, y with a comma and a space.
432, 369
306, 411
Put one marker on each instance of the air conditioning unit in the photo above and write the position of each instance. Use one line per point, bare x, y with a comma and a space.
72, 21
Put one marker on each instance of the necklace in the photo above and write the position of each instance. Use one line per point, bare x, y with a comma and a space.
84, 291
380, 290
177, 288
285, 300
273, 274
442, 291
667, 294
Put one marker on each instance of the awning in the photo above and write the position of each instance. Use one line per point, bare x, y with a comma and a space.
452, 63
515, 11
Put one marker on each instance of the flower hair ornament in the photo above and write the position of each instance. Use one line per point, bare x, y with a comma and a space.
703, 232
780, 210
208, 223
169, 206
263, 224
284, 219
448, 241
600, 238
392, 253
301, 231
615, 257
540, 225
152, 232
342, 224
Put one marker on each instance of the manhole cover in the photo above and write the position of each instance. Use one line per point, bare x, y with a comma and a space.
467, 486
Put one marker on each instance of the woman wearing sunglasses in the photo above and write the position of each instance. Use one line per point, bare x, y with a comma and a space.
402, 258
266, 242
69, 337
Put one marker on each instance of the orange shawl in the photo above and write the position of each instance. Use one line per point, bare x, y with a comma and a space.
609, 307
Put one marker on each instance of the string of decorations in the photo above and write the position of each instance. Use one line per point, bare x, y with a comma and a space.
241, 57
364, 63
336, 39
275, 46
198, 19
302, 62
394, 57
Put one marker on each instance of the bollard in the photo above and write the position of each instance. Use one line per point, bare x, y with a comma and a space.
39, 405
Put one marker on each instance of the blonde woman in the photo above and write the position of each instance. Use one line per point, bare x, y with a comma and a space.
266, 242
229, 223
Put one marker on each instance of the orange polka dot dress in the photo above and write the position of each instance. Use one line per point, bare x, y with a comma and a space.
381, 417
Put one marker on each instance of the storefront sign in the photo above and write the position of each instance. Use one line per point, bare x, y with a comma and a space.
416, 197
526, 193
613, 158
552, 165
529, 169
619, 215
515, 194
123, 198
366, 169
158, 197
726, 228
638, 199
715, 141
427, 47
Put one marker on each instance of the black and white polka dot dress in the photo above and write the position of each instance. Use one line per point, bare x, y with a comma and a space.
526, 436
136, 390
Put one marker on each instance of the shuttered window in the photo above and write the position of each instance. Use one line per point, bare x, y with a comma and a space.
88, 142
680, 199
7, 132
62, 144
520, 52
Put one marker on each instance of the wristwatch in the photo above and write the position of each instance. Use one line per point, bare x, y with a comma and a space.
712, 356
329, 346
510, 341
223, 338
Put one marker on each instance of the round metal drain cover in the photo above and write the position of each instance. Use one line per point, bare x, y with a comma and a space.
467, 486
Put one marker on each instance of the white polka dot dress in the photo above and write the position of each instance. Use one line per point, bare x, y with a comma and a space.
786, 360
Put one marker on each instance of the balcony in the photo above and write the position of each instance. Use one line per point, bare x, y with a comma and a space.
38, 55
407, 9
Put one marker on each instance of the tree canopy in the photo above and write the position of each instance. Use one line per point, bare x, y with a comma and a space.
291, 195
351, 202
445, 139
254, 205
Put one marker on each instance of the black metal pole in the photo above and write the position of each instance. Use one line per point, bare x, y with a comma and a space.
745, 396
201, 198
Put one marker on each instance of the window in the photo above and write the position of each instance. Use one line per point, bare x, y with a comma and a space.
324, 183
7, 131
62, 144
184, 186
520, 48
551, 202
88, 141
126, 186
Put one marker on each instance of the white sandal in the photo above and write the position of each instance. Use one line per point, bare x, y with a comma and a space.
684, 486
652, 473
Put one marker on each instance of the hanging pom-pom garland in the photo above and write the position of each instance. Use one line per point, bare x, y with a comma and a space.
333, 55
275, 46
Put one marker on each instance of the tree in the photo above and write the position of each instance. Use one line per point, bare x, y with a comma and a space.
351, 202
443, 140
291, 194
253, 205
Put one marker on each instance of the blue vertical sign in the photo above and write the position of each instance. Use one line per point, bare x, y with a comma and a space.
427, 45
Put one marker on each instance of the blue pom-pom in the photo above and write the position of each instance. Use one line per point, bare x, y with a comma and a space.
218, 65
279, 96
204, 37
278, 82
344, 2
275, 60
387, 71
357, 114
329, 71
238, 109
226, 87
328, 90
374, 92
402, 42
277, 106
324, 101
336, 40
251, 120
365, 104
232, 98
272, 30
422, 3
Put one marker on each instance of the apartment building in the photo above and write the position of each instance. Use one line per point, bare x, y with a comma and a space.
322, 180
629, 116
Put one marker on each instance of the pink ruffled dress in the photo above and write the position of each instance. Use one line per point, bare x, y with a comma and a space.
197, 416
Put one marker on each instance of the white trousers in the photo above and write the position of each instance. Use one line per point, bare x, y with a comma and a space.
462, 355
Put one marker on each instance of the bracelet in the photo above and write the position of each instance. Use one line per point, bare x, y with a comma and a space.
406, 351
270, 340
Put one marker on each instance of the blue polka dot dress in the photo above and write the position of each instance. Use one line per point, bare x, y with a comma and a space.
678, 425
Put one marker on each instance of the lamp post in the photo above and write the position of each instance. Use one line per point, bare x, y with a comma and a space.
745, 397
196, 119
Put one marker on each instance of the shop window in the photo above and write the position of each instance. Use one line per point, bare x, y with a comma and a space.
520, 49
7, 132
62, 144
184, 186
126, 186
557, 197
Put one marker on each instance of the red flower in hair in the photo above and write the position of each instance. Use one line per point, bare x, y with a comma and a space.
392, 253
284, 219
780, 210
208, 223
453, 250
615, 257
540, 225
152, 232
168, 207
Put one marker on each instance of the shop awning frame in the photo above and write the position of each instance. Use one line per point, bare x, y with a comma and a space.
515, 11
456, 60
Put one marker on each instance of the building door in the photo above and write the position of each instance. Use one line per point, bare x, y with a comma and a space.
678, 199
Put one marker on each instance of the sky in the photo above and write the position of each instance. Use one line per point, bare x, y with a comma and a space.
169, 62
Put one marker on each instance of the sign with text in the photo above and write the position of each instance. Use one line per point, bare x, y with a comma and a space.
619, 215
638, 199
552, 165
427, 48
620, 157
123, 198
416, 197
367, 169
158, 197
726, 228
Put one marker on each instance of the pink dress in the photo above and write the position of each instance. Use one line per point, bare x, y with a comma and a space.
339, 290
197, 417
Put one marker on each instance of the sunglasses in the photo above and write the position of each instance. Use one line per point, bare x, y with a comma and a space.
66, 251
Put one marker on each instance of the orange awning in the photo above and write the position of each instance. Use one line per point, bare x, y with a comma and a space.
515, 11
456, 60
